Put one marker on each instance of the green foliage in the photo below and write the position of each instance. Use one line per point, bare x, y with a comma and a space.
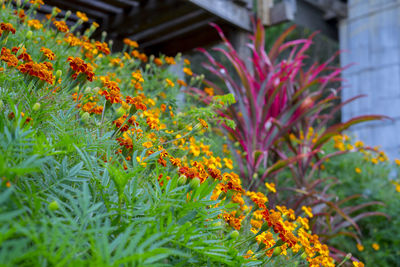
375, 182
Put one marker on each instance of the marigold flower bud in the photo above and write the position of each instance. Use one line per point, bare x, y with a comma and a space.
29, 35
54, 205
182, 180
85, 117
195, 182
120, 111
58, 74
234, 234
36, 106
67, 14
88, 90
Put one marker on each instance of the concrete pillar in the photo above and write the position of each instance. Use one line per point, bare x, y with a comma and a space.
370, 37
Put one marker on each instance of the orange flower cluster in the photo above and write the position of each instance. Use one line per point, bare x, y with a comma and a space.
6, 27
232, 220
34, 23
48, 53
131, 43
21, 15
8, 57
79, 66
103, 47
36, 2
113, 94
39, 70
61, 26
24, 56
82, 16
141, 56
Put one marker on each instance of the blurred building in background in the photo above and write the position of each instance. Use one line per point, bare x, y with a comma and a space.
370, 34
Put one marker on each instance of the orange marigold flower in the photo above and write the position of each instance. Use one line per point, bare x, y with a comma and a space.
48, 53
82, 16
39, 70
169, 82
7, 27
131, 43
375, 246
147, 144
79, 66
34, 23
182, 83
186, 61
8, 57
358, 264
358, 170
170, 60
188, 71
20, 14
209, 91
158, 61
61, 26
103, 47
37, 2
360, 247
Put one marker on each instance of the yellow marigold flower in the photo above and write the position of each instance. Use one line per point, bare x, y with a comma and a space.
349, 147
398, 188
397, 161
358, 170
34, 23
82, 16
95, 24
308, 211
359, 144
271, 187
228, 163
187, 71
169, 82
140, 161
360, 247
249, 254
358, 264
374, 161
375, 246
203, 123
147, 144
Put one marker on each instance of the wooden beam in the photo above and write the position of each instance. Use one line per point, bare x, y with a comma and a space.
281, 12
177, 33
165, 26
227, 11
151, 16
264, 11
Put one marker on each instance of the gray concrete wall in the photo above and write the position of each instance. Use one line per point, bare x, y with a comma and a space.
371, 37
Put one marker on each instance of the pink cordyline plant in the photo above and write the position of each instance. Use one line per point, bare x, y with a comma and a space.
277, 98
